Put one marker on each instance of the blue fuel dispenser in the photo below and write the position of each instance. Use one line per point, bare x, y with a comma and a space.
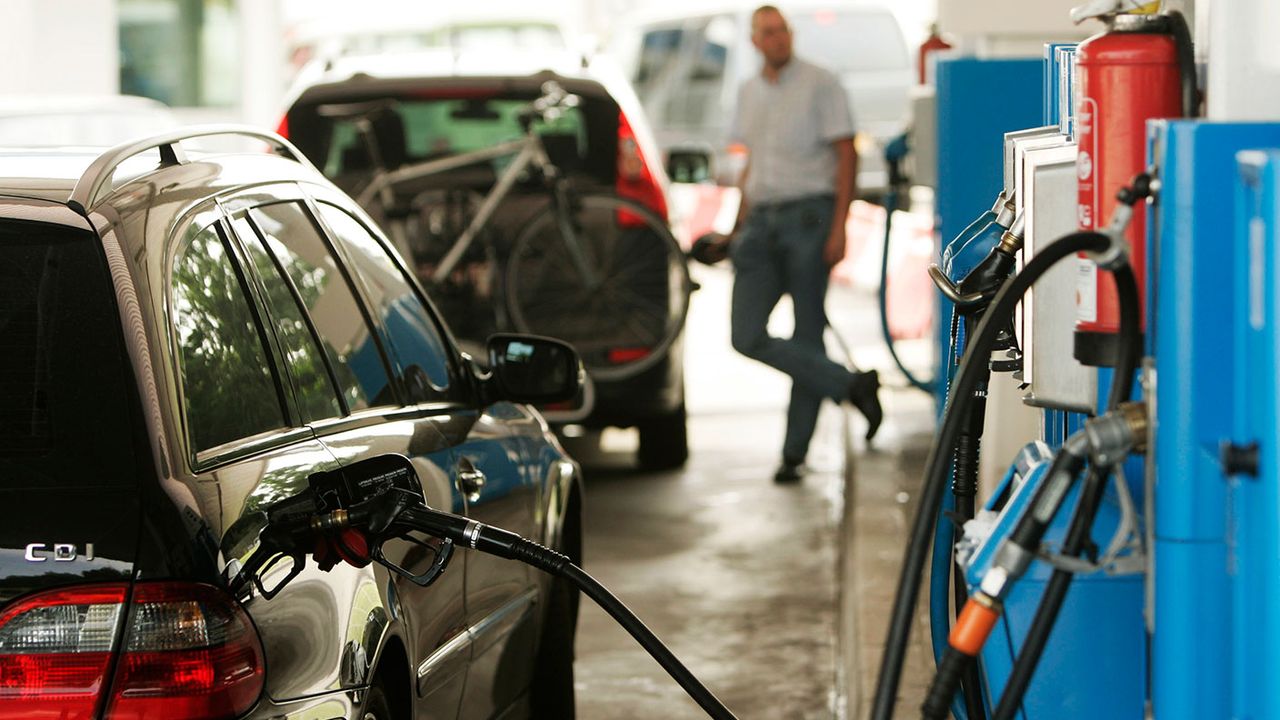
1249, 455
1190, 321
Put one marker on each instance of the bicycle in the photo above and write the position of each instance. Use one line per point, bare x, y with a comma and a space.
599, 271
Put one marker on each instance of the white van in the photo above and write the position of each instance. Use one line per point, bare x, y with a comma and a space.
687, 63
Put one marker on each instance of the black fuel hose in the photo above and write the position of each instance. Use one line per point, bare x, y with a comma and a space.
1082, 522
890, 205
502, 543
1051, 601
1186, 63
974, 364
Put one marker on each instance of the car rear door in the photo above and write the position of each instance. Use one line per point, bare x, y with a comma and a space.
487, 467
342, 385
248, 446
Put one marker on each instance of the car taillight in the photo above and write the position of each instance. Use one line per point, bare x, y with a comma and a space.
190, 652
283, 128
618, 356
55, 650
635, 179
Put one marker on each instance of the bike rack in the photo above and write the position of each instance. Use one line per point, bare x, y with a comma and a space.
98, 176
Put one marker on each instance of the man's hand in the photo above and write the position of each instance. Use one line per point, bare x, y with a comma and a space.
833, 251
710, 248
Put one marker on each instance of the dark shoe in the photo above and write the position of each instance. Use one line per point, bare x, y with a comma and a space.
862, 393
788, 473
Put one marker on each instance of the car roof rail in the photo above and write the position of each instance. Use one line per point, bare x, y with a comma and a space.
100, 173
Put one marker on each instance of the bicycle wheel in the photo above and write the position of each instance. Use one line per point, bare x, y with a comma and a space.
623, 317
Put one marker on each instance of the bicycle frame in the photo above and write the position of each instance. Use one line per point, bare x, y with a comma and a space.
528, 151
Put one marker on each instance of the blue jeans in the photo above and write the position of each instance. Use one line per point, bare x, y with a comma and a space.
779, 250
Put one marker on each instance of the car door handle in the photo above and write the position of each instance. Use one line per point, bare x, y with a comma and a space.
470, 480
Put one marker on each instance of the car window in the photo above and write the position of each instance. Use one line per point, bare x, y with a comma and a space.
410, 130
227, 384
680, 75
850, 41
701, 76
659, 51
317, 396
351, 348
415, 339
65, 402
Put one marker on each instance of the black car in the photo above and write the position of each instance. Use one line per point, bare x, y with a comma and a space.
433, 104
185, 340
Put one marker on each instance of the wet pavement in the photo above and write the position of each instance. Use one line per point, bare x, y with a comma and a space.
775, 596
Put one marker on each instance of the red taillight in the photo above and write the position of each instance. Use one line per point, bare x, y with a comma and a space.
635, 179
618, 356
283, 128
55, 649
189, 652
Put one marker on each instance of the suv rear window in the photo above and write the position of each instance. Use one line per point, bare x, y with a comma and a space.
66, 413
415, 130
408, 128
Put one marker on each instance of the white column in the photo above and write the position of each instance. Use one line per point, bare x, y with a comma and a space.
59, 46
262, 62
1243, 80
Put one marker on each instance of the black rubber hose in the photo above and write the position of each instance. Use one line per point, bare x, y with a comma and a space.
890, 205
650, 642
954, 662
509, 545
964, 485
937, 702
1051, 602
1186, 63
935, 480
1090, 499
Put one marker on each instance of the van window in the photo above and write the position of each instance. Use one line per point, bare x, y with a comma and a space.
350, 346
849, 41
681, 73
317, 397
659, 51
227, 382
415, 339
65, 400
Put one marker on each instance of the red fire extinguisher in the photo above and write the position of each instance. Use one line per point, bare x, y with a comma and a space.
933, 43
1135, 71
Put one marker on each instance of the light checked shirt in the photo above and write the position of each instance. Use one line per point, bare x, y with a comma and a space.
788, 127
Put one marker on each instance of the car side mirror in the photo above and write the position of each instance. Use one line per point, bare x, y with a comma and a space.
532, 369
691, 164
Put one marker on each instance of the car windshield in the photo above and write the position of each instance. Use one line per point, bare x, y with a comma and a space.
410, 130
823, 37
66, 413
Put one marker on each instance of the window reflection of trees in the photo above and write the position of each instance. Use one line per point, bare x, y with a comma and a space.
292, 238
226, 378
317, 398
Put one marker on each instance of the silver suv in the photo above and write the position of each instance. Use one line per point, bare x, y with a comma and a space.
185, 339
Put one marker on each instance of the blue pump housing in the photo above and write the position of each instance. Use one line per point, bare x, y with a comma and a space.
1195, 256
979, 100
1254, 548
1094, 665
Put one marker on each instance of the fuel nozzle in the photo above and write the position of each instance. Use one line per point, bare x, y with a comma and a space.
974, 292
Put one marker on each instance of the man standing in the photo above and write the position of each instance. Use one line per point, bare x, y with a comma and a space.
796, 189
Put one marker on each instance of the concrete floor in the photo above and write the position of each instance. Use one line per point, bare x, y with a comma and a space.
775, 596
